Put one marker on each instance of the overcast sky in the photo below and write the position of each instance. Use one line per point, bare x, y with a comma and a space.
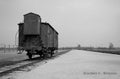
85, 22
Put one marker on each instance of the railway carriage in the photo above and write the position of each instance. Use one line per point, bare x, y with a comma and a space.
36, 37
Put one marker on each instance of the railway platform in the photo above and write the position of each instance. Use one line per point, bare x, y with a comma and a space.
77, 64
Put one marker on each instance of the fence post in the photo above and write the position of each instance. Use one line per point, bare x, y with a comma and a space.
9, 48
4, 48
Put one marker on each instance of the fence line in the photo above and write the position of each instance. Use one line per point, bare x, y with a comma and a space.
7, 48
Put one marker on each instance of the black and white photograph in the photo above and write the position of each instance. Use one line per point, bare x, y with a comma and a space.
59, 39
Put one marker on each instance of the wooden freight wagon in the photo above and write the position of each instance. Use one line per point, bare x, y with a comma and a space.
50, 35
36, 37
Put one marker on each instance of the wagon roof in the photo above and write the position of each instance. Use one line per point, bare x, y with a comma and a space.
31, 13
49, 25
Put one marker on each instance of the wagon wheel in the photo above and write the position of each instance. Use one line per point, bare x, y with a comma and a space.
30, 56
52, 53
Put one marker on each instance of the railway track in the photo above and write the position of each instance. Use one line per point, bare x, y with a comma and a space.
18, 66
